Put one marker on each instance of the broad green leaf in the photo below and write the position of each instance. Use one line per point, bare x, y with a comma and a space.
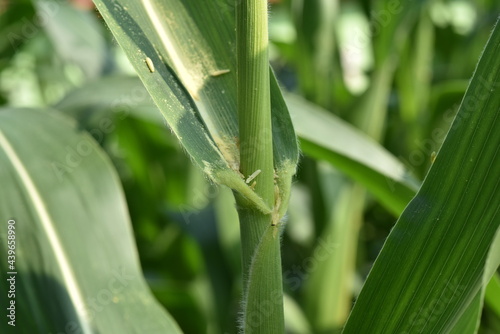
76, 262
196, 41
432, 264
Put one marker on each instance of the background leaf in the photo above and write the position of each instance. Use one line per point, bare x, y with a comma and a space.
75, 34
76, 262
326, 137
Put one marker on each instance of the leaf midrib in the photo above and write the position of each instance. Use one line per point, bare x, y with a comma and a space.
48, 225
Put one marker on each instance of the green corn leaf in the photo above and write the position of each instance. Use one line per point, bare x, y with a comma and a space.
433, 263
196, 41
76, 261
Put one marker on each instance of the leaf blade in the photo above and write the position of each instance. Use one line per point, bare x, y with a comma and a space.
448, 227
64, 223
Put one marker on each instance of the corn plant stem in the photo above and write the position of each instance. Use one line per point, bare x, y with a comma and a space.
254, 100
262, 283
254, 113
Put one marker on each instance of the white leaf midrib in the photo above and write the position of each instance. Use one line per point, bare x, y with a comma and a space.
50, 230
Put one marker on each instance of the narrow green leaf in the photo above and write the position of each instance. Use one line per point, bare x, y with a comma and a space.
76, 262
334, 277
492, 294
295, 320
431, 266
326, 137
392, 21
414, 74
468, 322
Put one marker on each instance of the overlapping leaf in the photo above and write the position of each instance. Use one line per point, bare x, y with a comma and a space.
76, 262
